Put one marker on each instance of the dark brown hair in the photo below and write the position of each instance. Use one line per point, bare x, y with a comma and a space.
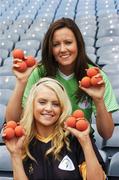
48, 59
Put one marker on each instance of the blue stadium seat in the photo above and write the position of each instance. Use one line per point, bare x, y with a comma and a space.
7, 82
113, 171
5, 95
110, 40
6, 44
5, 160
111, 146
29, 44
6, 71
98, 138
2, 115
4, 53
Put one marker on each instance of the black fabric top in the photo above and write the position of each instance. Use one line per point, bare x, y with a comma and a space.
48, 168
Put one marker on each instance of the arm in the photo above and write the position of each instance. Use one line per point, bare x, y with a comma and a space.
14, 146
104, 119
18, 169
93, 167
14, 107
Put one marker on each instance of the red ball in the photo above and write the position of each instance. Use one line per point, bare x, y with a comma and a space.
22, 66
18, 53
9, 133
71, 121
30, 61
19, 131
78, 113
95, 80
11, 124
81, 125
86, 82
92, 72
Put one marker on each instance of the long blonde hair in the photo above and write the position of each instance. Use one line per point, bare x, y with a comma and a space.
59, 136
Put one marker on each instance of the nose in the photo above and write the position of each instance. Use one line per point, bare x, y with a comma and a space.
48, 107
62, 47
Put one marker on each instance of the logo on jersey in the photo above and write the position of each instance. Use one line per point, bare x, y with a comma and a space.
84, 104
66, 164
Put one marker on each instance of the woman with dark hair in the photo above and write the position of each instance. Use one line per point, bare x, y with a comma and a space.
64, 58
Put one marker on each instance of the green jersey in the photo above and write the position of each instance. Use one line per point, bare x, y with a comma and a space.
71, 85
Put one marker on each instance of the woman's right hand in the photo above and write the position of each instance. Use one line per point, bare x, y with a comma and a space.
22, 76
15, 144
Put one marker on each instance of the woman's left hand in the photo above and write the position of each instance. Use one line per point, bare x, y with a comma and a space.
82, 136
96, 92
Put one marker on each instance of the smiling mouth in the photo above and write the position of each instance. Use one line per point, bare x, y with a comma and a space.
47, 115
65, 56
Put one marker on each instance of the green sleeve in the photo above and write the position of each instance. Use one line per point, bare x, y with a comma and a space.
109, 96
33, 78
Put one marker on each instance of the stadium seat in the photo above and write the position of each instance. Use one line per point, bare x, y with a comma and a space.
10, 36
110, 31
6, 71
29, 44
7, 82
104, 41
98, 138
2, 115
113, 171
115, 115
116, 91
6, 44
4, 53
107, 49
5, 95
111, 146
5, 160
5, 177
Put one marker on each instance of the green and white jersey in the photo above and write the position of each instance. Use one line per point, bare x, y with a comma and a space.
71, 86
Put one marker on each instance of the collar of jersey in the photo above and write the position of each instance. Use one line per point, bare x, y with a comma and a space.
44, 139
65, 76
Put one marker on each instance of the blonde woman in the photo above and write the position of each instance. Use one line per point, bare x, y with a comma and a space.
46, 151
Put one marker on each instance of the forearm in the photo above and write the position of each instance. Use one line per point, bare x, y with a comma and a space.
93, 168
14, 107
18, 169
104, 120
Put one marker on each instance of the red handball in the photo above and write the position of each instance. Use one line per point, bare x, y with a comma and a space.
30, 61
9, 133
71, 121
81, 125
86, 82
11, 124
95, 80
22, 66
18, 53
78, 114
19, 131
92, 72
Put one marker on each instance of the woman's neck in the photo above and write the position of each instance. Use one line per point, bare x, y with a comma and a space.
44, 131
68, 70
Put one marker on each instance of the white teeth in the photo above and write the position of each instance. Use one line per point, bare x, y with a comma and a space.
48, 115
65, 56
